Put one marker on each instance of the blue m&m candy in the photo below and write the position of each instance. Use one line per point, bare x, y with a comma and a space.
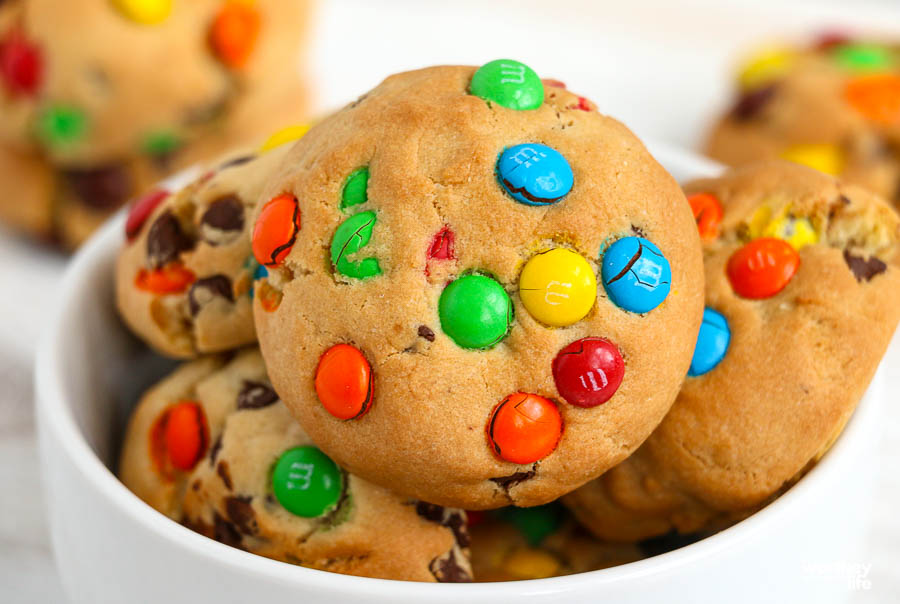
260, 272
712, 343
534, 174
636, 275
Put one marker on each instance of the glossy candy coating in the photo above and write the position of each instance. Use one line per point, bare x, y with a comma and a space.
21, 64
863, 57
145, 12
173, 278
161, 143
712, 343
140, 210
344, 382
534, 523
534, 174
354, 192
708, 213
508, 83
526, 563
185, 435
524, 428
349, 238
475, 311
307, 482
441, 247
876, 97
234, 32
765, 67
60, 125
558, 287
762, 268
824, 157
636, 275
276, 230
284, 136
588, 371
799, 232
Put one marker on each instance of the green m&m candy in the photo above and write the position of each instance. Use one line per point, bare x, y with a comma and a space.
475, 311
863, 57
353, 235
535, 523
354, 192
59, 125
306, 482
161, 143
508, 83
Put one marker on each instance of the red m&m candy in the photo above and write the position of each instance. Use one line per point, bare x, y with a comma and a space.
276, 230
344, 382
141, 210
762, 268
708, 213
21, 65
524, 428
588, 371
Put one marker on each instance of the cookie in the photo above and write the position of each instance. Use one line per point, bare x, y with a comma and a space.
108, 114
184, 276
212, 447
512, 544
801, 306
481, 270
833, 105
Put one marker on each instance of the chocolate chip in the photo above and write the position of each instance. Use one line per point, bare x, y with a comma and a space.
241, 513
214, 450
513, 479
864, 270
256, 395
226, 532
447, 569
448, 517
104, 188
224, 214
204, 290
751, 103
456, 523
638, 231
237, 161
666, 543
426, 332
166, 240
430, 511
225, 474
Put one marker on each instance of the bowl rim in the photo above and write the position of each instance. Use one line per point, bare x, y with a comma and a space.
56, 421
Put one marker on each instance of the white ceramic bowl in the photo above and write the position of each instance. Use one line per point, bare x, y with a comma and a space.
111, 547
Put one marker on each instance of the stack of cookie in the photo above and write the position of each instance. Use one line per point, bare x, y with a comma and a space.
100, 98
469, 290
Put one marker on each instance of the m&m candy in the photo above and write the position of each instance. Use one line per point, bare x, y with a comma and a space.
185, 435
306, 482
524, 428
59, 125
344, 382
708, 213
276, 230
286, 135
534, 174
762, 268
876, 97
558, 287
861, 57
173, 278
141, 210
799, 232
712, 343
529, 563
21, 64
636, 275
146, 12
508, 83
588, 371
234, 32
475, 311
441, 247
534, 523
766, 66
824, 157
353, 235
354, 192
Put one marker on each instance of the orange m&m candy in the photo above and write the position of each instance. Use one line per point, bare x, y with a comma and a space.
708, 214
173, 278
762, 268
524, 428
344, 382
876, 97
185, 435
234, 32
276, 230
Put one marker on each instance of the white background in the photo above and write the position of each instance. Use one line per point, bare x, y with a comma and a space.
660, 66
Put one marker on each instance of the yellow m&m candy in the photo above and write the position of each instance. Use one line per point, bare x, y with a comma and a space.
531, 564
799, 232
764, 67
147, 12
823, 157
558, 287
284, 136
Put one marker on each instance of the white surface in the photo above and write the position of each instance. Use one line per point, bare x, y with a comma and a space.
658, 65
779, 553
